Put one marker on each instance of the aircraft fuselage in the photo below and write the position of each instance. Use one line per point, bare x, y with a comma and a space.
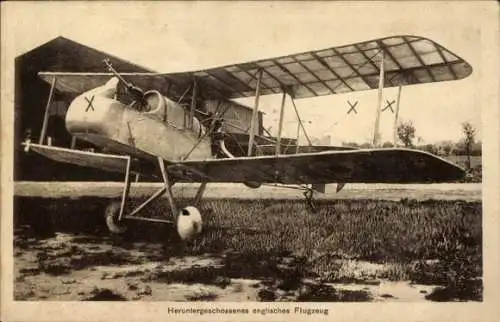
97, 117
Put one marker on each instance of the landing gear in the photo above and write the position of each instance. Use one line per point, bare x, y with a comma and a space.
111, 215
188, 221
309, 195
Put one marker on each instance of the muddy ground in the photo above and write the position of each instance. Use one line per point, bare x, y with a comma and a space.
75, 267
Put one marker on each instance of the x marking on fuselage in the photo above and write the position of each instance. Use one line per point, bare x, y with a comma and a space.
90, 106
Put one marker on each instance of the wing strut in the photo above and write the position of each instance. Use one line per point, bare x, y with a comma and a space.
46, 115
376, 134
396, 116
280, 128
192, 107
255, 113
300, 125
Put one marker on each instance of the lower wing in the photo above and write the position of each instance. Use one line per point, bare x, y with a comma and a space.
102, 161
364, 166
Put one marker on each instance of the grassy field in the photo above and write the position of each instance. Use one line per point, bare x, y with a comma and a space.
429, 242
426, 242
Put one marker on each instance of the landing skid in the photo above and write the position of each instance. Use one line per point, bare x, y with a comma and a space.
309, 195
116, 214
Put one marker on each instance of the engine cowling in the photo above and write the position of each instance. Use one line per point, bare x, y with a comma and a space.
156, 104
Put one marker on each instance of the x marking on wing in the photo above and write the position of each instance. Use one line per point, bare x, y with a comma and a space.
389, 105
352, 109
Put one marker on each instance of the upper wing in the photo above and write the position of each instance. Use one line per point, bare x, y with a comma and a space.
77, 83
407, 60
366, 166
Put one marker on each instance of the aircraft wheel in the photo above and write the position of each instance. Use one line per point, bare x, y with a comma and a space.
111, 214
189, 223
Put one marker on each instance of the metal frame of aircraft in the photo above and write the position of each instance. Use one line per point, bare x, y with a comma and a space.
153, 134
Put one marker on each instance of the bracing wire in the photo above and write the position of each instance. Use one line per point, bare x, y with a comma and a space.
184, 94
300, 122
218, 115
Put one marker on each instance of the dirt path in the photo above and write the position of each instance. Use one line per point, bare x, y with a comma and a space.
444, 191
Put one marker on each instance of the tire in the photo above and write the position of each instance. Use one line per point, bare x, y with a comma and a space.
111, 215
189, 223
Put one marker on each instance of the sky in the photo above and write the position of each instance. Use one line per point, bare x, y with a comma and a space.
173, 37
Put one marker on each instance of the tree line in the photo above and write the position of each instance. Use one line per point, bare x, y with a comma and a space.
467, 145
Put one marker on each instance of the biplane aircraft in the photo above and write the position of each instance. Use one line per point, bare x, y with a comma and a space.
155, 134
